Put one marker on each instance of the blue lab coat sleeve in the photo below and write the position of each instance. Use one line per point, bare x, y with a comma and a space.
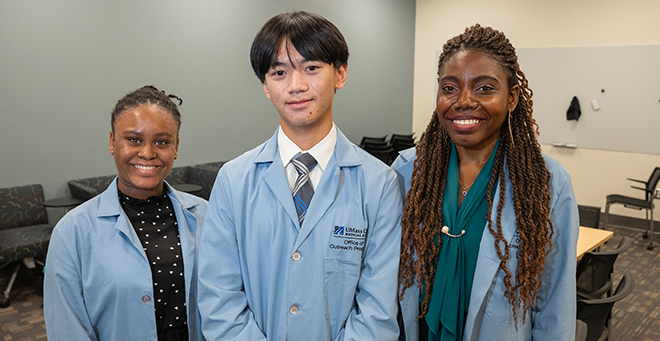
63, 287
221, 296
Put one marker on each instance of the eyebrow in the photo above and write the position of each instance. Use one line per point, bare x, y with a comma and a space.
138, 133
476, 79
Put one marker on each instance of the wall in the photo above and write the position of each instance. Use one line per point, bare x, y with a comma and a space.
546, 23
65, 63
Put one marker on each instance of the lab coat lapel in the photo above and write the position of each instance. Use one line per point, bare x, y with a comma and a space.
109, 207
328, 188
488, 262
274, 176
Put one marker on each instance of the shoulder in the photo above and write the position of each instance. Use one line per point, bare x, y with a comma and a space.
558, 172
560, 182
243, 162
372, 168
405, 160
189, 201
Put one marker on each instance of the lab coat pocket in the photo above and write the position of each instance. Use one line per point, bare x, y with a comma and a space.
341, 278
498, 307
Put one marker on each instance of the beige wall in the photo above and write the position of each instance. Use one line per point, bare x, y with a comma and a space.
546, 23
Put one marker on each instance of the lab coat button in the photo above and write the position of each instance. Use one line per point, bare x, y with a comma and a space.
294, 309
146, 298
296, 255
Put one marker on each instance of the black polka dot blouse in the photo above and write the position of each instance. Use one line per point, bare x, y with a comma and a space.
155, 223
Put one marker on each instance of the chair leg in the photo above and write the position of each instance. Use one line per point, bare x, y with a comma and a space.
5, 302
650, 247
646, 233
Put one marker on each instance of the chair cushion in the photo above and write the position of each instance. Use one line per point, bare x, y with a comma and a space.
23, 242
22, 206
630, 201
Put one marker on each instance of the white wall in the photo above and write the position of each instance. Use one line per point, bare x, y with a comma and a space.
546, 23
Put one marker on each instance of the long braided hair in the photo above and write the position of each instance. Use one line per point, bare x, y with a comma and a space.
519, 152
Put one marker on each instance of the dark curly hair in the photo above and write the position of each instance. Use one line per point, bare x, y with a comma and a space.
519, 151
147, 94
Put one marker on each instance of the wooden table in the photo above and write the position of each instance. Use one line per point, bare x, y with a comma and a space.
591, 238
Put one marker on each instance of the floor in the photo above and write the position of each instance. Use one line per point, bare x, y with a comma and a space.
636, 318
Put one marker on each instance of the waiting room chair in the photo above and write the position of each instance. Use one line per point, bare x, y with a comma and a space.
636, 203
594, 271
24, 230
589, 216
595, 312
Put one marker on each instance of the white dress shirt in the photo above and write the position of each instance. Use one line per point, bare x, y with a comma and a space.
322, 152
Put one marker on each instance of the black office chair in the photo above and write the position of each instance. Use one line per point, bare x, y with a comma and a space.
639, 204
595, 312
581, 330
372, 139
589, 216
594, 270
404, 137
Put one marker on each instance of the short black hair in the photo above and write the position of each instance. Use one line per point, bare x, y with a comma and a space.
147, 94
313, 36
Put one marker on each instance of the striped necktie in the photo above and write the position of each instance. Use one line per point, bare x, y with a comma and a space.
302, 189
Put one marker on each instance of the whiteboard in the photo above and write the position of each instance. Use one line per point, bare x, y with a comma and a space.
625, 82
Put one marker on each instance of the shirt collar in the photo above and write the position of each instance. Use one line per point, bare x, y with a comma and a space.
322, 151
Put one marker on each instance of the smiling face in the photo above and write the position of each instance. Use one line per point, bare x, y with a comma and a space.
145, 143
302, 92
473, 99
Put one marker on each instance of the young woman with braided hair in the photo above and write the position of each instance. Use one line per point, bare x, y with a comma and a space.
490, 225
120, 266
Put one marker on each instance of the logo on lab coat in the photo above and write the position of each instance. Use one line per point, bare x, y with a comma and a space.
348, 239
515, 241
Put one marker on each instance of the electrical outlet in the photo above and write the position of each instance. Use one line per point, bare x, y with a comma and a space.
657, 193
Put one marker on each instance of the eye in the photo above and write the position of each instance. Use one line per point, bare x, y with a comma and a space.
133, 140
278, 73
312, 68
485, 88
448, 88
162, 142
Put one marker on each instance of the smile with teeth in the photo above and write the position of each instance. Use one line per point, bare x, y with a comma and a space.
466, 122
144, 167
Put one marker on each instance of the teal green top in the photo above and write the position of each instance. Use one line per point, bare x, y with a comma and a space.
452, 286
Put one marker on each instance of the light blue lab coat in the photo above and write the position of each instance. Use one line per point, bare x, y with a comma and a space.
98, 283
262, 276
490, 315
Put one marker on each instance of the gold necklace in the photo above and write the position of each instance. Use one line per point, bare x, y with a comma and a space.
464, 190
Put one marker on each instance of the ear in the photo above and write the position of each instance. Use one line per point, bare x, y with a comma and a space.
341, 74
514, 92
176, 148
266, 91
112, 144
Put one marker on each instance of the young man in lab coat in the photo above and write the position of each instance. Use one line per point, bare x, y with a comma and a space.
274, 265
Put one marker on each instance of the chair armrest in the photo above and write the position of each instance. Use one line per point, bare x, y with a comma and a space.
643, 189
635, 180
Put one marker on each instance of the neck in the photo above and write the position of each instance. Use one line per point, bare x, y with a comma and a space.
306, 138
474, 158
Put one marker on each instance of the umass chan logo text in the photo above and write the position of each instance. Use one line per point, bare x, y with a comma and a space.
348, 239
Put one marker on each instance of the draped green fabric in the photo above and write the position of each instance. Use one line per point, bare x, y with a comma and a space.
452, 286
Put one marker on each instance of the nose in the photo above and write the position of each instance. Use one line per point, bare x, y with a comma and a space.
147, 152
298, 82
465, 101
